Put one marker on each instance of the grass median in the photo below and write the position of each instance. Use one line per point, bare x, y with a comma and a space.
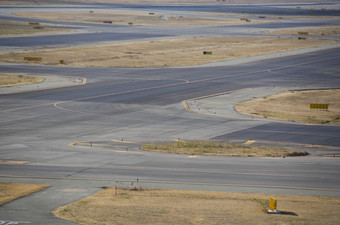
12, 191
164, 53
295, 106
221, 149
13, 80
15, 28
307, 31
139, 18
163, 207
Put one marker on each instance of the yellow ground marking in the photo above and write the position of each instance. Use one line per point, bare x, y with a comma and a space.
175, 182
12, 162
178, 140
249, 142
192, 156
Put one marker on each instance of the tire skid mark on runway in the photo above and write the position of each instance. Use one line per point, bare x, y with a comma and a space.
141, 181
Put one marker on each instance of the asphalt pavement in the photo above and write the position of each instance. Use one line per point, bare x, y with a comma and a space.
81, 138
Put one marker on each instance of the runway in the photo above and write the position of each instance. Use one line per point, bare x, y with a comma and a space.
49, 131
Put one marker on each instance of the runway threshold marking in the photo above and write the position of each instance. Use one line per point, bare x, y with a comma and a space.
141, 181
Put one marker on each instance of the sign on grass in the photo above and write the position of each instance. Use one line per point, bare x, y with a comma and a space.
318, 106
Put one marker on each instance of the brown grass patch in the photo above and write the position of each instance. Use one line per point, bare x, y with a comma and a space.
13, 80
12, 191
294, 106
317, 31
22, 28
165, 53
138, 206
220, 149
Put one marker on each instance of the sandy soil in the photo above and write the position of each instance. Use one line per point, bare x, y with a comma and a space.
294, 106
165, 53
137, 206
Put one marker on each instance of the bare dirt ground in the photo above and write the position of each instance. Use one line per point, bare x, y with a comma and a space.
159, 2
136, 18
138, 206
294, 106
12, 191
165, 53
317, 31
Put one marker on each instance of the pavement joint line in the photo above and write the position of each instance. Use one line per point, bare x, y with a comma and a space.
141, 181
186, 170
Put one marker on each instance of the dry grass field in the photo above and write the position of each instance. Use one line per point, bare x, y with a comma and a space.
20, 28
164, 207
25, 30
164, 53
12, 80
221, 149
137, 18
317, 31
294, 106
12, 191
